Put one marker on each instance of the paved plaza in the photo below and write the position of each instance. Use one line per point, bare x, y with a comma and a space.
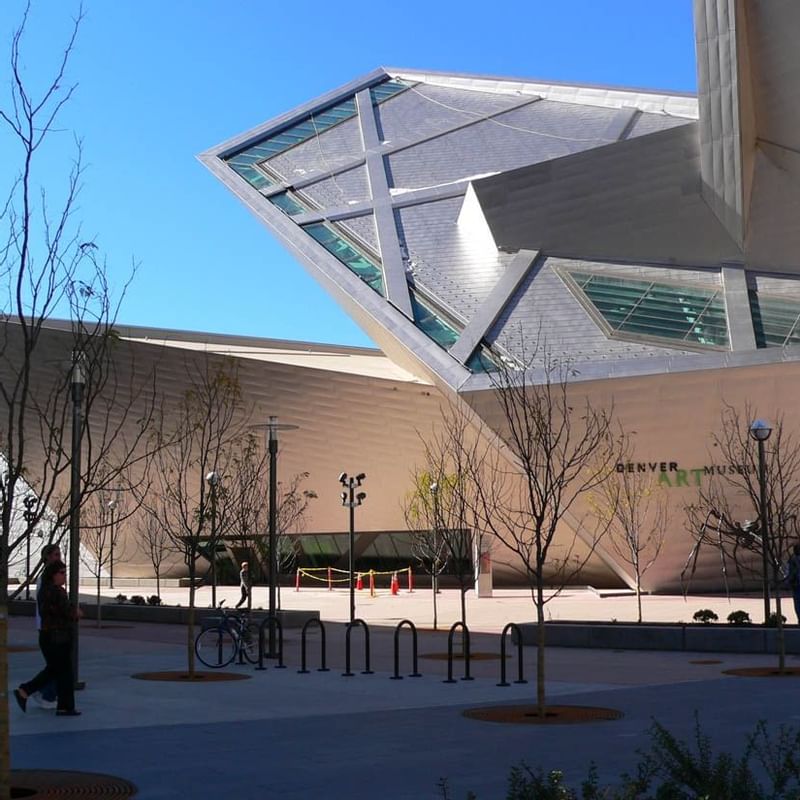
321, 735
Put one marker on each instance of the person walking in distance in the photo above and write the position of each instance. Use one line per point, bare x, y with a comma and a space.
56, 643
244, 584
47, 697
793, 579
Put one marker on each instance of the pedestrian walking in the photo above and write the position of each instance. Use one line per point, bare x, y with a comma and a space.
47, 697
56, 643
244, 584
793, 579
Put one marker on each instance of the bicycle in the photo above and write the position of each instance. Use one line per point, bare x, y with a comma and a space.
234, 635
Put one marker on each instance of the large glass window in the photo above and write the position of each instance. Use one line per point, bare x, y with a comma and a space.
776, 320
356, 261
314, 124
289, 203
693, 315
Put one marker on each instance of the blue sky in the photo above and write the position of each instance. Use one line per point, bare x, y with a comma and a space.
159, 81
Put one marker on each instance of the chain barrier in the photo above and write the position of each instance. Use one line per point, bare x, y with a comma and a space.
327, 577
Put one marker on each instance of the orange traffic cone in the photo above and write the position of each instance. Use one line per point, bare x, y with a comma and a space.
395, 584
359, 582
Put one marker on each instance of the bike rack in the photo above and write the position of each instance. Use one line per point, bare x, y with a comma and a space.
512, 626
350, 626
465, 631
415, 674
322, 668
270, 620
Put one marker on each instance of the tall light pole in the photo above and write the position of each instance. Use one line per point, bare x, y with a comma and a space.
112, 504
213, 481
77, 385
29, 515
273, 426
761, 431
351, 500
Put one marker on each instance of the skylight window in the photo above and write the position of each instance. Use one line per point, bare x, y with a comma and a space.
776, 320
666, 313
244, 162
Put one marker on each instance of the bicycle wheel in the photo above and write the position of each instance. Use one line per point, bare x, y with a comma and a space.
215, 647
249, 642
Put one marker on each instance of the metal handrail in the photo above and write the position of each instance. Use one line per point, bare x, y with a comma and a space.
455, 626
303, 634
512, 626
415, 674
350, 626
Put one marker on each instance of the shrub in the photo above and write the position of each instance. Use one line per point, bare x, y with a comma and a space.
705, 615
672, 769
154, 600
739, 618
138, 600
122, 598
772, 621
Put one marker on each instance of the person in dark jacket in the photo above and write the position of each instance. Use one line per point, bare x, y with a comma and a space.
55, 641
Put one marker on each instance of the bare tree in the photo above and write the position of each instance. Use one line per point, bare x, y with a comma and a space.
735, 490
444, 499
199, 438
155, 541
633, 508
247, 506
48, 267
532, 491
427, 542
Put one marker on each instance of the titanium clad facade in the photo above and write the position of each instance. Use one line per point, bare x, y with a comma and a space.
653, 236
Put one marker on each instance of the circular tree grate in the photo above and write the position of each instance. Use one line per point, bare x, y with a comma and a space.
183, 677
554, 715
40, 784
763, 672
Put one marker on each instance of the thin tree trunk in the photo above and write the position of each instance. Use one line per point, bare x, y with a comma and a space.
639, 599
464, 620
158, 583
435, 615
190, 625
779, 620
98, 597
541, 709
5, 755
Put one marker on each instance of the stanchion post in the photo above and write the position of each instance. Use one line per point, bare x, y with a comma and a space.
372, 583
330, 580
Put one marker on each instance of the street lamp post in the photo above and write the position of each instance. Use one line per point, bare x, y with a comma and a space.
273, 426
113, 503
29, 515
351, 499
77, 385
760, 431
213, 482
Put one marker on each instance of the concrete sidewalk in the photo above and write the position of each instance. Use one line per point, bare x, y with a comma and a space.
321, 735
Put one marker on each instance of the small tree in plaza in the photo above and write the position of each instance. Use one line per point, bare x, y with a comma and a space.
752, 547
427, 542
247, 505
633, 508
441, 505
553, 452
155, 541
199, 439
49, 267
